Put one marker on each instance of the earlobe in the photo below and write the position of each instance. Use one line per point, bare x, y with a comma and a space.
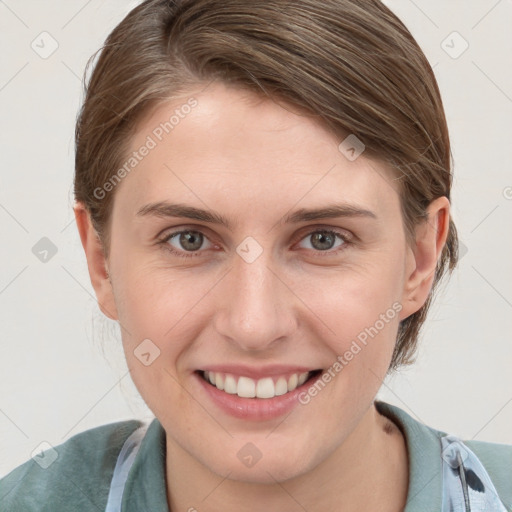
422, 259
96, 262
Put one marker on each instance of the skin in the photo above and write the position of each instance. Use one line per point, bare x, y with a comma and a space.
254, 161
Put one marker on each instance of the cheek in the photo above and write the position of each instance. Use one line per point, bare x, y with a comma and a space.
162, 313
157, 320
152, 299
148, 308
350, 301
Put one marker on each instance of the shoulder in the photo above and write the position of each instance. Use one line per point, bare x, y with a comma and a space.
493, 455
74, 475
425, 450
497, 461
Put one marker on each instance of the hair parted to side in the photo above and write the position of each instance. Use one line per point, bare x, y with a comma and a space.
350, 63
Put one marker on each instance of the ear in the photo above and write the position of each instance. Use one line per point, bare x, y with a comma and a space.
422, 258
96, 262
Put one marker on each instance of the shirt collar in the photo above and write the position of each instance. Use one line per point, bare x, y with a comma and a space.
146, 484
425, 462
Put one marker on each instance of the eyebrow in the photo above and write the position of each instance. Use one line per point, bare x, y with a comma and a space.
165, 209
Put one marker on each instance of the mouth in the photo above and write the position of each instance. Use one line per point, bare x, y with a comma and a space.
263, 388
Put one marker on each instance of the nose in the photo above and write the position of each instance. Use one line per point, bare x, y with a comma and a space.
255, 308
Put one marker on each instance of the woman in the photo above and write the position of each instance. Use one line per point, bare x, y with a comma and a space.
263, 197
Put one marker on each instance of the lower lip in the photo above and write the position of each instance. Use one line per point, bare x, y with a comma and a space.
254, 409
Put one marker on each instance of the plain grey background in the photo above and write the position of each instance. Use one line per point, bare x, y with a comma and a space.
62, 368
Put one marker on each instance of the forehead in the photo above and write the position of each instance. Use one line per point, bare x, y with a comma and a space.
226, 144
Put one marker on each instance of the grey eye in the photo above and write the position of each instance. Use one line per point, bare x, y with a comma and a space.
189, 240
322, 240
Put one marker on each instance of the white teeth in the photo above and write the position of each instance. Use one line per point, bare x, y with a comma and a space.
292, 382
246, 387
230, 385
264, 388
219, 381
281, 386
303, 377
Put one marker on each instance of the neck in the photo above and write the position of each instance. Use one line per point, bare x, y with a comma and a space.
373, 457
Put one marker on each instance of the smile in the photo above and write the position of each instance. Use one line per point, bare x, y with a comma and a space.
267, 387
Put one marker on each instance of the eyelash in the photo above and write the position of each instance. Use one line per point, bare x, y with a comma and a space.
347, 241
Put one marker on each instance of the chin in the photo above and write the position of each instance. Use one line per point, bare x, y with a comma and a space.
270, 465
268, 472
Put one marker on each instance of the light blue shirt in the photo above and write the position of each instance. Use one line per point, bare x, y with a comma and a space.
120, 467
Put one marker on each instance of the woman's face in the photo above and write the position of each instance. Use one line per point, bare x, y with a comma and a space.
270, 293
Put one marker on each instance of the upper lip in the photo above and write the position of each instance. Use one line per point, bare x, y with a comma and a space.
258, 372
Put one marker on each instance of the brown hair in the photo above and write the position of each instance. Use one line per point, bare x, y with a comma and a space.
351, 63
